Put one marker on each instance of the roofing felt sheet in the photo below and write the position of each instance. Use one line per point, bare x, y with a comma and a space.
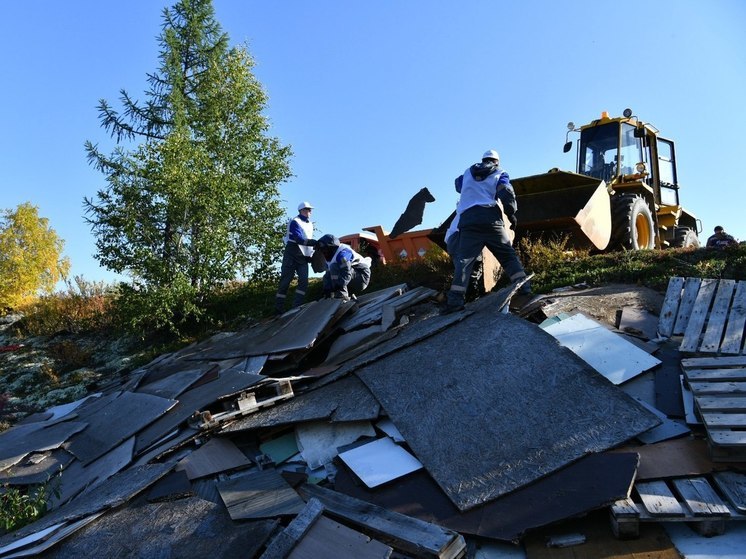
292, 331
494, 403
115, 422
114, 492
189, 527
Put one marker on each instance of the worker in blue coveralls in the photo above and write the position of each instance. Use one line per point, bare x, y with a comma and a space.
348, 273
481, 225
299, 243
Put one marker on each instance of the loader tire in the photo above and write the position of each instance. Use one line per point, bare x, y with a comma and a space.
632, 225
684, 237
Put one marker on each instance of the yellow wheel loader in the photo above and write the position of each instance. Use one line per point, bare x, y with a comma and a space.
624, 195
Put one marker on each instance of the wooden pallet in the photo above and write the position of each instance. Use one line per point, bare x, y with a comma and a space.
709, 313
699, 501
718, 385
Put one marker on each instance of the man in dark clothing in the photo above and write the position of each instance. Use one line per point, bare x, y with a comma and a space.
348, 272
296, 257
481, 225
720, 239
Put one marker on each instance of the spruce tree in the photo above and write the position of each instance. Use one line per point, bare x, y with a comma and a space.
192, 197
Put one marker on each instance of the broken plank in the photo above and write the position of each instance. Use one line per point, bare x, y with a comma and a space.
688, 297
733, 486
658, 499
700, 497
670, 306
402, 532
283, 543
734, 331
717, 319
696, 323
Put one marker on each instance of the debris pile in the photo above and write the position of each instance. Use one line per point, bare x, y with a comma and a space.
378, 427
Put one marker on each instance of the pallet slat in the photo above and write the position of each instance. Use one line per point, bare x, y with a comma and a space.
694, 328
734, 331
718, 316
658, 500
700, 497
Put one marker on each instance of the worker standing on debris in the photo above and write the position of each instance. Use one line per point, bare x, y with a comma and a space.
720, 239
299, 243
481, 225
347, 271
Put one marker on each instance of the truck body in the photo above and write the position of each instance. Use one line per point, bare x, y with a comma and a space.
623, 195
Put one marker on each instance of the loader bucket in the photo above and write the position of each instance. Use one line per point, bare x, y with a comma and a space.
564, 203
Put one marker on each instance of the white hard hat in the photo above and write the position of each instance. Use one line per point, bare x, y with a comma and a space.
304, 205
491, 154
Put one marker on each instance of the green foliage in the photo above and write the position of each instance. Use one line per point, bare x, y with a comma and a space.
83, 307
19, 507
196, 203
556, 266
156, 310
30, 256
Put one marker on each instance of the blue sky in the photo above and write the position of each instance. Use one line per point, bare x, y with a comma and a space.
379, 99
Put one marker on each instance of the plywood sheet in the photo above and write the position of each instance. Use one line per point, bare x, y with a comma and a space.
513, 407
610, 354
262, 494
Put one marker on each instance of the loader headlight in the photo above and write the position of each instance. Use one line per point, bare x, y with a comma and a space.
640, 167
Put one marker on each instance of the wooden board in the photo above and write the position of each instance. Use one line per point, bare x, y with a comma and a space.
717, 318
688, 297
697, 319
733, 340
670, 307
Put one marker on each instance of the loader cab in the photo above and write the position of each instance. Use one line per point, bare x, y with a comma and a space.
613, 148
609, 150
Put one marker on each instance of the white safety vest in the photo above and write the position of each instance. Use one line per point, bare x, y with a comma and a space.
478, 193
307, 227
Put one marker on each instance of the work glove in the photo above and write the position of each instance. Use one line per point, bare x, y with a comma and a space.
311, 242
513, 222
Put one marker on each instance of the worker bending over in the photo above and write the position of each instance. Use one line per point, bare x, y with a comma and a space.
348, 273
